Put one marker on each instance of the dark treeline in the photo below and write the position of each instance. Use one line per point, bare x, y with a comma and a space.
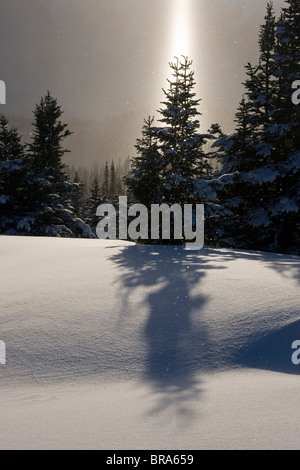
252, 200
39, 194
36, 194
100, 184
109, 174
248, 180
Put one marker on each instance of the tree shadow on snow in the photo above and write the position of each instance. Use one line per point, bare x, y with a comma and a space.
272, 351
177, 341
288, 266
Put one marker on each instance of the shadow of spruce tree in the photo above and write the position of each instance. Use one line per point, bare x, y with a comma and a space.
177, 341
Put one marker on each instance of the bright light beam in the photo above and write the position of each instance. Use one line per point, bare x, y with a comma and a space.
181, 41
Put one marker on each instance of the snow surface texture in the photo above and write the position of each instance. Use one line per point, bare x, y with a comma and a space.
116, 346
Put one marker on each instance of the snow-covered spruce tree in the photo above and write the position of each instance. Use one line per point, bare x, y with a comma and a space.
275, 221
284, 208
286, 115
12, 177
225, 225
260, 175
180, 143
144, 180
246, 147
261, 85
171, 166
48, 192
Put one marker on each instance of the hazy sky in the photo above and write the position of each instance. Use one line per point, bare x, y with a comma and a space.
105, 57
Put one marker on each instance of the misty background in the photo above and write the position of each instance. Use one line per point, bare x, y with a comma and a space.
106, 61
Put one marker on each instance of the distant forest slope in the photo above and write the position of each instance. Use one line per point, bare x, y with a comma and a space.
94, 142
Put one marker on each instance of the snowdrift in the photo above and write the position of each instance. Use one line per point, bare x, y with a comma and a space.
110, 345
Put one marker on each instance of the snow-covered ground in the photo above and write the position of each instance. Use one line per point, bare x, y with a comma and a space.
110, 345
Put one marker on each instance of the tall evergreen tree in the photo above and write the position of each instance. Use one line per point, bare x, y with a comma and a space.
250, 145
286, 115
170, 158
49, 190
261, 193
170, 166
261, 86
180, 142
285, 205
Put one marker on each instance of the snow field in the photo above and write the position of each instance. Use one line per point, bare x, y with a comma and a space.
116, 346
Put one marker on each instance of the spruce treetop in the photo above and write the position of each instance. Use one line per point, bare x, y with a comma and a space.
49, 132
